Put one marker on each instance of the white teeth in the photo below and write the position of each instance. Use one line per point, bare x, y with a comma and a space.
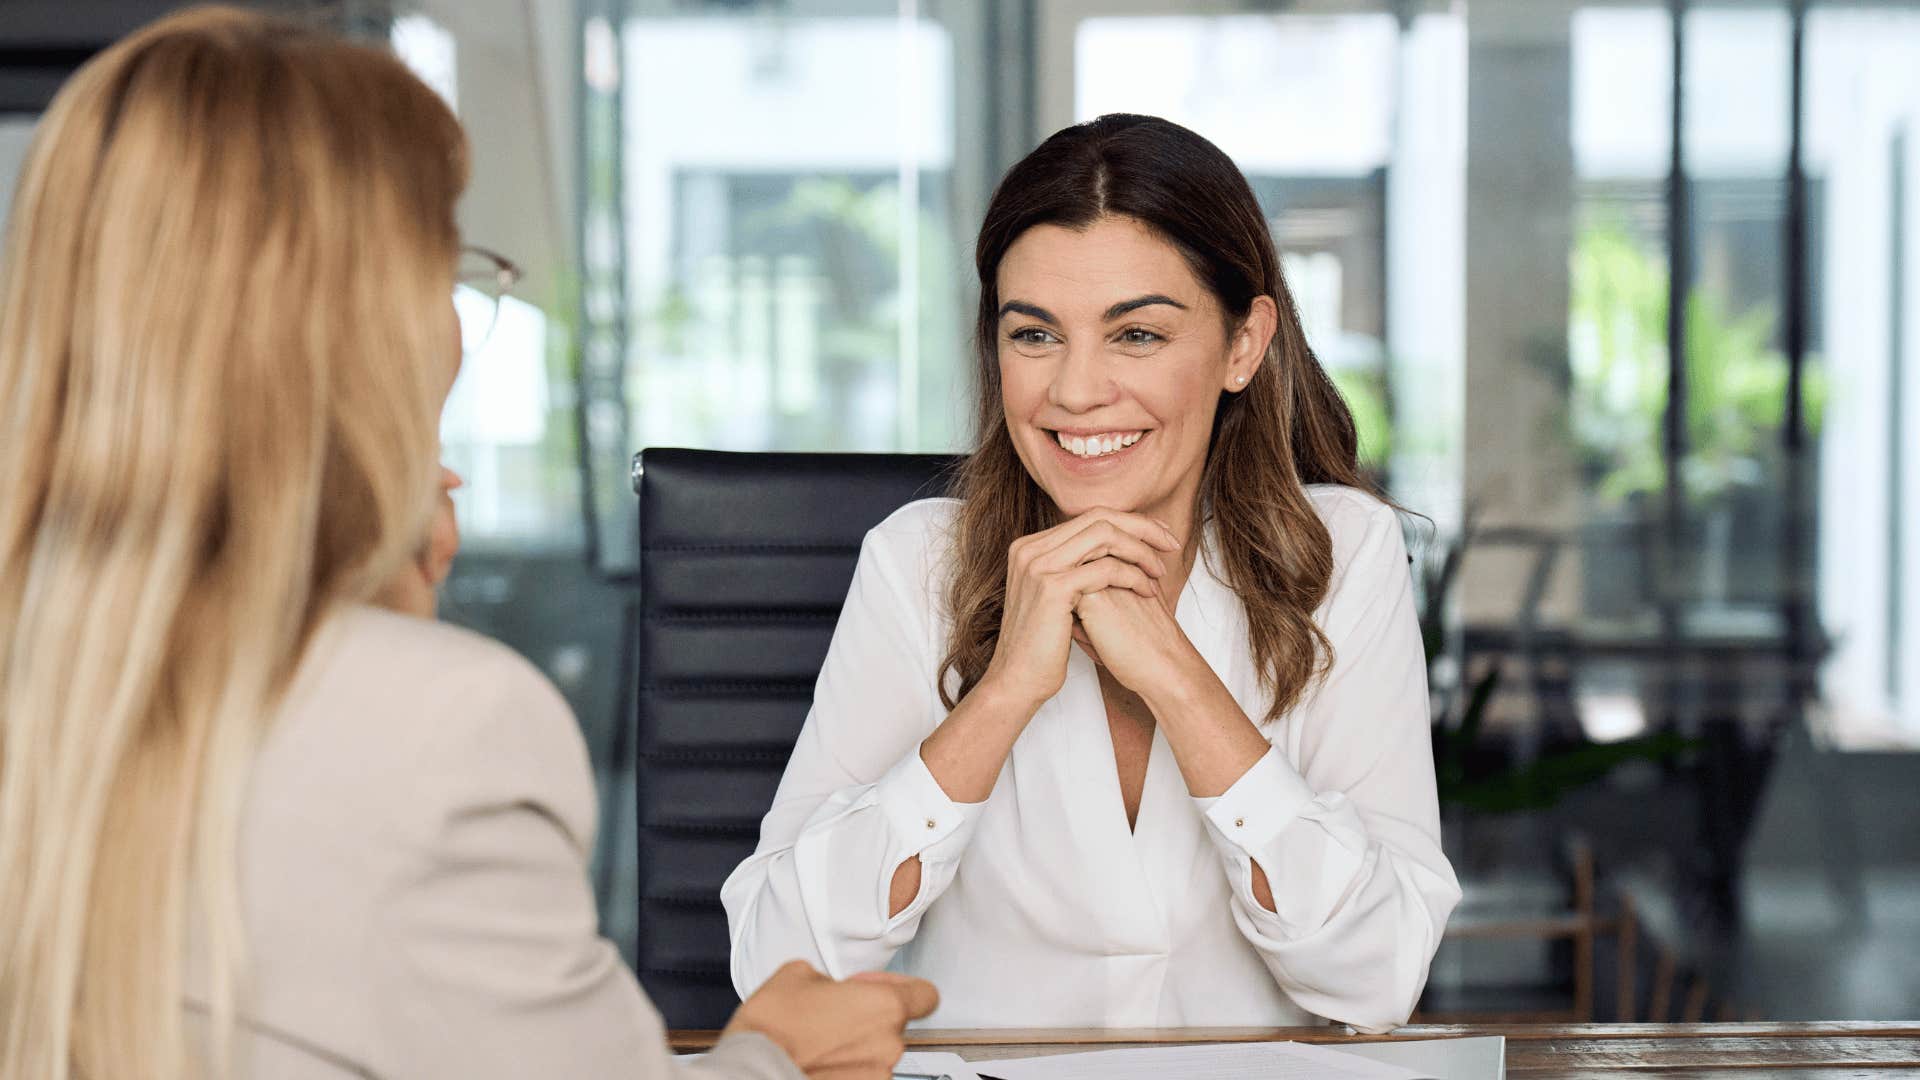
1097, 445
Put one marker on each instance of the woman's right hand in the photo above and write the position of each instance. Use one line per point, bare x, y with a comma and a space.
836, 1030
1048, 572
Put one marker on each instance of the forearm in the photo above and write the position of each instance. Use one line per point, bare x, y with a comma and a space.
819, 889
770, 920
965, 755
1357, 898
904, 886
1213, 740
967, 751
1353, 943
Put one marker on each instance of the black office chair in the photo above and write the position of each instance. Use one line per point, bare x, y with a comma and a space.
745, 560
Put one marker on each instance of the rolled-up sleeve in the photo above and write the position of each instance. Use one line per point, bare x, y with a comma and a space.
856, 801
1341, 815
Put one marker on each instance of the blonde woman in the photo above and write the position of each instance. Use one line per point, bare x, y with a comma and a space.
248, 824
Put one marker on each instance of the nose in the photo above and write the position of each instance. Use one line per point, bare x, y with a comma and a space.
1082, 382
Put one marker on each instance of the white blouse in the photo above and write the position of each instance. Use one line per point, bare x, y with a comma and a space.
1038, 907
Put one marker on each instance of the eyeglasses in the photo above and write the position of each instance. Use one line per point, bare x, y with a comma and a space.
482, 279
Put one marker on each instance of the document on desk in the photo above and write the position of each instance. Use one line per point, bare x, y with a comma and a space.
1473, 1057
924, 1065
1212, 1061
1426, 1059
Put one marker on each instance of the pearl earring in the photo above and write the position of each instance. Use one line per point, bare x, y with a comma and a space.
1240, 379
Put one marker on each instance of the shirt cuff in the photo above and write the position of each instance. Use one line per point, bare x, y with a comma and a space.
922, 818
1266, 799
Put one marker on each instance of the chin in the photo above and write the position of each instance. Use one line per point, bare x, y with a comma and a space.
1075, 499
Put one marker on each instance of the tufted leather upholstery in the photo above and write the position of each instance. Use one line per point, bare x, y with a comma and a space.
745, 560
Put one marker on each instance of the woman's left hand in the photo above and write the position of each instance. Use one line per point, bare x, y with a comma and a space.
1141, 645
1135, 638
443, 539
413, 590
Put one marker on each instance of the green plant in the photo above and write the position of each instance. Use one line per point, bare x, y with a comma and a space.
1618, 364
1367, 400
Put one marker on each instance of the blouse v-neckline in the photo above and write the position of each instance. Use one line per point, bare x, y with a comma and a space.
1117, 720
1192, 614
1138, 870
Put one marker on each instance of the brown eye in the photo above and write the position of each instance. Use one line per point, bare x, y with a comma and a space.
1138, 336
1032, 335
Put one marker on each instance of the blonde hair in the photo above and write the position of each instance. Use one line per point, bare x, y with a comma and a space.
225, 334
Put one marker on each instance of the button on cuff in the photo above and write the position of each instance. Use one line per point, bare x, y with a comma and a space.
1265, 800
923, 819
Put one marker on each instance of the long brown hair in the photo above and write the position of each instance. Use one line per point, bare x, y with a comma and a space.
1288, 428
225, 332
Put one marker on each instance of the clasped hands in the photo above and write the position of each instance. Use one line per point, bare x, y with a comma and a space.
1106, 580
1098, 580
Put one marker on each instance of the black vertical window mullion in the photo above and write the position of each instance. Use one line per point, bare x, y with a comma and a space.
1796, 598
1796, 241
1679, 280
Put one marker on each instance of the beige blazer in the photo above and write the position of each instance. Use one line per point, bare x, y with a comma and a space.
413, 873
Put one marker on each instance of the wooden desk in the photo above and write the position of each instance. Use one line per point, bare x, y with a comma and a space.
1824, 1051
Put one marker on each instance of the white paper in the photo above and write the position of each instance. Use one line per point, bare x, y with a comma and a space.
1479, 1057
952, 1066
912, 1065
1210, 1061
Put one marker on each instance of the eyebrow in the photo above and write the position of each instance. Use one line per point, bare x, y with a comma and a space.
1138, 302
1035, 311
1031, 311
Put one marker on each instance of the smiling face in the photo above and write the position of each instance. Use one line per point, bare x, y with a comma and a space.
1112, 359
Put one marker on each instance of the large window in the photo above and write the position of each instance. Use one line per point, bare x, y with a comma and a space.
1347, 127
791, 278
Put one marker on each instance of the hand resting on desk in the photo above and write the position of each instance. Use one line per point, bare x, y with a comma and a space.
833, 1030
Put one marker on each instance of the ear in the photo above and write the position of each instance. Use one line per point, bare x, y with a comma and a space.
1249, 344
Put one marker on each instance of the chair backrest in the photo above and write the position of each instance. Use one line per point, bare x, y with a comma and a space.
745, 561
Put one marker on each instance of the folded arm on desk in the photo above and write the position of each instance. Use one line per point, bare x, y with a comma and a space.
1344, 823
823, 896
